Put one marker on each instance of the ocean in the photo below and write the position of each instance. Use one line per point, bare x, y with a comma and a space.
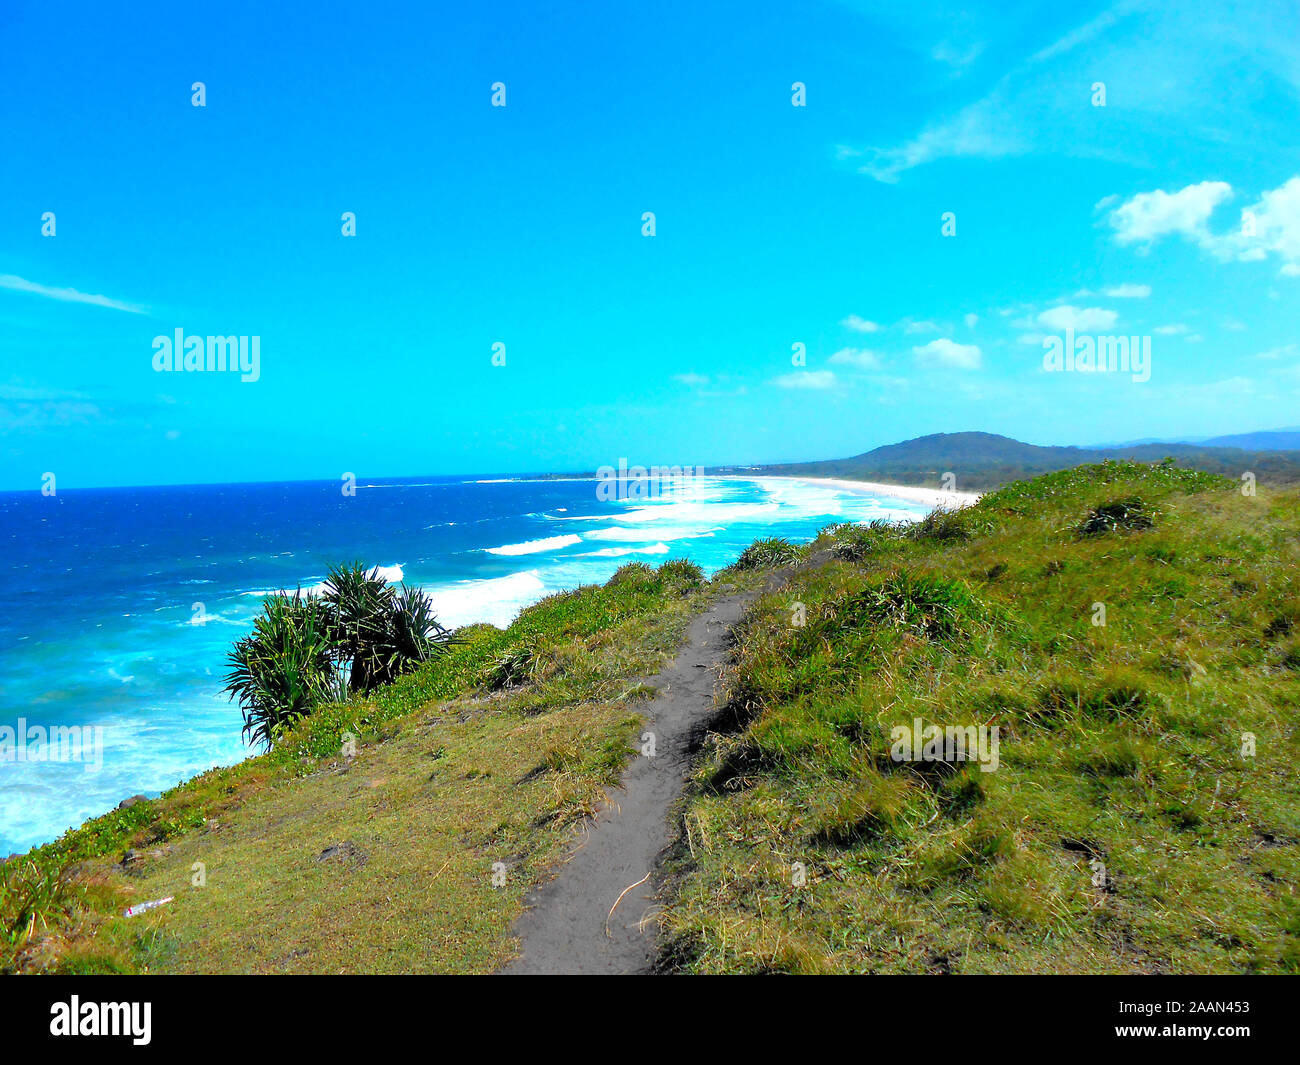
118, 606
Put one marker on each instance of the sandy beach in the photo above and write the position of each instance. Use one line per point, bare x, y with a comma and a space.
935, 497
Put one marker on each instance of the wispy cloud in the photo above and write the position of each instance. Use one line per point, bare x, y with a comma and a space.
1080, 319
35, 408
816, 380
975, 132
1169, 68
924, 326
1128, 292
958, 57
859, 357
947, 353
859, 325
66, 295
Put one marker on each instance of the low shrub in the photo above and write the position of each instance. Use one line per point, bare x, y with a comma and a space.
768, 554
1119, 515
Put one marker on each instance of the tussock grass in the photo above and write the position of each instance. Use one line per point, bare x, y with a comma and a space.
1123, 830
770, 553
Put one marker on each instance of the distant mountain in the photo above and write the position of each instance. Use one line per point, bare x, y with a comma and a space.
1264, 440
1269, 440
983, 460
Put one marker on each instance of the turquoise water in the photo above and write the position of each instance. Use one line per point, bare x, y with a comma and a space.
117, 606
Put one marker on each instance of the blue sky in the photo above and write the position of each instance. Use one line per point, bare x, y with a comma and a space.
775, 225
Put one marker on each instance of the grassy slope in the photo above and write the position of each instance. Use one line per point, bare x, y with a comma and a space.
1121, 745
451, 776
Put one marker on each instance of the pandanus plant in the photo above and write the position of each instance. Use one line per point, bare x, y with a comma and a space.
382, 632
284, 667
359, 633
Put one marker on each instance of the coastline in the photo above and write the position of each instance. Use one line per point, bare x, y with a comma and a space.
494, 596
935, 497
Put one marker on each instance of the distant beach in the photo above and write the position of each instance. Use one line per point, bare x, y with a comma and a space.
933, 497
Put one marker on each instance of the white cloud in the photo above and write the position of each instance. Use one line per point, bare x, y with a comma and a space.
924, 326
1174, 329
693, 380
970, 320
1270, 226
1151, 215
23, 407
859, 357
975, 131
859, 325
1080, 319
1129, 292
65, 295
944, 352
809, 379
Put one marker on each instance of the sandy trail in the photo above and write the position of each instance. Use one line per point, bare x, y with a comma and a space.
568, 927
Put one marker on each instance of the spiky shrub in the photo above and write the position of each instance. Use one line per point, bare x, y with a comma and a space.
517, 665
305, 650
681, 575
381, 632
942, 525
359, 603
30, 897
936, 607
768, 554
285, 667
633, 573
853, 543
1126, 515
417, 635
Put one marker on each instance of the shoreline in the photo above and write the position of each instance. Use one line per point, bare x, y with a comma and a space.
936, 497
489, 612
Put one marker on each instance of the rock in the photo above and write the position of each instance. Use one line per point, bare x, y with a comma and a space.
342, 852
127, 803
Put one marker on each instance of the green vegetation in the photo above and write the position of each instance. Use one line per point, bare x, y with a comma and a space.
766, 554
379, 860
1132, 632
304, 650
1128, 630
985, 460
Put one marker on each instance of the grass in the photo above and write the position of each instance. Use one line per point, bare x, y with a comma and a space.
1123, 830
1133, 632
412, 854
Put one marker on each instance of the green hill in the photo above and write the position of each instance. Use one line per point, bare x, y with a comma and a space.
984, 460
1132, 633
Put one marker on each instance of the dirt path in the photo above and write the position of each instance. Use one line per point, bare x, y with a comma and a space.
568, 927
